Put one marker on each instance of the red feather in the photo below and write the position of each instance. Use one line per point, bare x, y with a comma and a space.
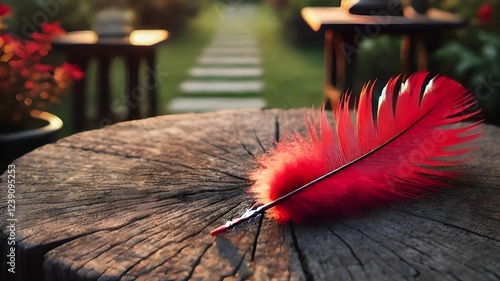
357, 167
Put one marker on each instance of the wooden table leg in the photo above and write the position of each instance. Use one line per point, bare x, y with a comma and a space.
104, 88
134, 91
347, 49
340, 60
431, 42
79, 104
330, 71
151, 83
410, 54
415, 50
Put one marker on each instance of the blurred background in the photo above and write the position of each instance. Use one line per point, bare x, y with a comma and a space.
291, 53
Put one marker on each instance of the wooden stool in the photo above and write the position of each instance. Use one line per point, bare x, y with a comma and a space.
344, 33
81, 46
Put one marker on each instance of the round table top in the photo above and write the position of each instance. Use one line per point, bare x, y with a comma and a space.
137, 200
89, 38
339, 19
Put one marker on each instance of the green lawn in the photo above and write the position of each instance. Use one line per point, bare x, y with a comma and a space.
293, 76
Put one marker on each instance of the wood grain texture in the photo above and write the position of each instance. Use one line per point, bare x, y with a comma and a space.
137, 200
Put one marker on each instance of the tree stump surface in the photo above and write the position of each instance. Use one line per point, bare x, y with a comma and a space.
137, 201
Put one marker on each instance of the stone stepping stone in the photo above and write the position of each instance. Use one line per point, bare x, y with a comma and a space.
225, 71
234, 43
232, 29
228, 60
230, 51
238, 17
239, 14
233, 38
181, 104
226, 87
233, 32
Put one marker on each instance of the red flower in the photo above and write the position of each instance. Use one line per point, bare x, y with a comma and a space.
52, 30
485, 14
25, 83
39, 37
42, 67
25, 50
29, 85
5, 38
73, 71
17, 64
5, 10
49, 32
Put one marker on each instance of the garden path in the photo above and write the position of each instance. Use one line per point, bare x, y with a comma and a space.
228, 71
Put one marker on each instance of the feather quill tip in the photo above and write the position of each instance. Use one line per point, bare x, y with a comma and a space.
219, 230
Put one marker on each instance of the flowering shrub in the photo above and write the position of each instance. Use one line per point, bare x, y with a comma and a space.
473, 55
485, 14
25, 82
5, 10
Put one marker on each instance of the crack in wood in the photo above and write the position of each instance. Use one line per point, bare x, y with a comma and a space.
220, 158
157, 246
351, 250
36, 257
228, 251
197, 262
242, 269
264, 150
177, 252
492, 273
451, 225
97, 209
229, 174
128, 156
276, 129
80, 225
413, 271
165, 162
207, 141
247, 150
431, 243
302, 257
97, 151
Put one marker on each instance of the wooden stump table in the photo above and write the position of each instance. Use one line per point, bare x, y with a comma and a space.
137, 201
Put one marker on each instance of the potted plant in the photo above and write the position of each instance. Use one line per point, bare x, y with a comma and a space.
27, 88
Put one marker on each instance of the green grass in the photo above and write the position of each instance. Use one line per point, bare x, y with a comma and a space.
293, 75
178, 55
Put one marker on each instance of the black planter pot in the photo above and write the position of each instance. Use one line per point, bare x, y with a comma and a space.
14, 145
420, 6
377, 7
